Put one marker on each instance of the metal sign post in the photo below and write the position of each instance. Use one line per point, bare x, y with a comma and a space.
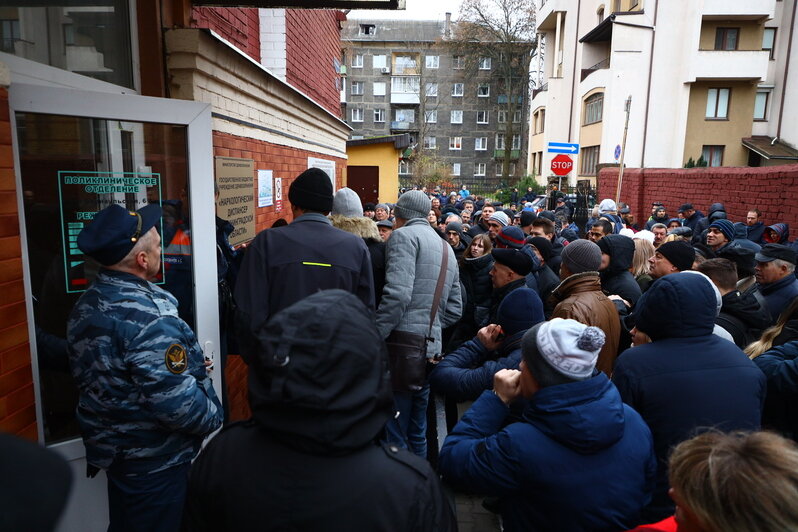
623, 149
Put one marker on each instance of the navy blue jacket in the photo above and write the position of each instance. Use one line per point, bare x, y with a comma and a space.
687, 378
467, 372
780, 366
579, 460
779, 295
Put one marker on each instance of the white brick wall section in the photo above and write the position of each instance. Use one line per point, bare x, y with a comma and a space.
272, 40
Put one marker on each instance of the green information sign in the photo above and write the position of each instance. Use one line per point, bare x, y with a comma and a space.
82, 194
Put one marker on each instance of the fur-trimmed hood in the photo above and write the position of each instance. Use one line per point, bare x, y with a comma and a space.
360, 226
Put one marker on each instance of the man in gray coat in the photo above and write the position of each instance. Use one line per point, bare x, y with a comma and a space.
413, 262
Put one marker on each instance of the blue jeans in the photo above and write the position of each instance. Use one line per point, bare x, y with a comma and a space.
148, 502
409, 429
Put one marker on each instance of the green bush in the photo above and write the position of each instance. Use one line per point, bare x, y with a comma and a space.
522, 184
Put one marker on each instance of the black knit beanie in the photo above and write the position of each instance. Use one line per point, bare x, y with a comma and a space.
312, 190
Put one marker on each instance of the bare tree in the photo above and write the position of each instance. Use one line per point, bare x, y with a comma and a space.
502, 31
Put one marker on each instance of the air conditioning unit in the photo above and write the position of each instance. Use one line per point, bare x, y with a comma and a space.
386, 70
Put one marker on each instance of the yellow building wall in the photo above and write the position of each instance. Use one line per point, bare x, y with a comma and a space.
728, 133
386, 157
590, 135
749, 37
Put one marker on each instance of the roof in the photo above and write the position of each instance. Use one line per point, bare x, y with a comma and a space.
601, 33
770, 148
394, 30
399, 141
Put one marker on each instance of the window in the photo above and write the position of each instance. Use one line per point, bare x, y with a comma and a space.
713, 155
482, 117
500, 141
594, 107
499, 168
366, 29
455, 168
726, 38
432, 61
458, 62
431, 117
430, 143
484, 63
588, 160
539, 121
457, 89
516, 142
480, 168
769, 40
516, 117
9, 31
379, 88
501, 116
431, 89
404, 115
761, 105
357, 115
405, 84
481, 143
357, 88
379, 61
357, 61
718, 103
402, 63
457, 117
379, 115
483, 90
404, 167
455, 143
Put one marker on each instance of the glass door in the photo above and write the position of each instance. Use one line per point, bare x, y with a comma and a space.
76, 153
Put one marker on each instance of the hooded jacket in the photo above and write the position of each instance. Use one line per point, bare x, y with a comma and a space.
716, 212
558, 244
756, 232
743, 317
579, 297
783, 232
580, 460
687, 378
366, 228
475, 276
616, 279
320, 393
654, 220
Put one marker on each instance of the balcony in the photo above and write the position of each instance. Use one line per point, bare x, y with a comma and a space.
403, 126
543, 88
601, 65
514, 154
547, 13
738, 9
732, 65
405, 97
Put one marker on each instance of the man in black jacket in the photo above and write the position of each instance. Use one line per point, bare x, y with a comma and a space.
309, 458
741, 314
286, 264
617, 252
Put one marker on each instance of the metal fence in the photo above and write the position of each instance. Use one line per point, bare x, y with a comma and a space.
580, 199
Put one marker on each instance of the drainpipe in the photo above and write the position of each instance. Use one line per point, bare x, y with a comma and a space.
573, 83
787, 67
648, 89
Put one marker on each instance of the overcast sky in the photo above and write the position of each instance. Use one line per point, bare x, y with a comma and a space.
415, 10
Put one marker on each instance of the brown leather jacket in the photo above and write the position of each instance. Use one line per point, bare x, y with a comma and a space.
579, 297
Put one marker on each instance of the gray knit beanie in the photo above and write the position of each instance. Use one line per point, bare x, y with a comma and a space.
501, 218
347, 203
581, 256
413, 204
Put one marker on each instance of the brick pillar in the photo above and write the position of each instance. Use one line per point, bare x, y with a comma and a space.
17, 410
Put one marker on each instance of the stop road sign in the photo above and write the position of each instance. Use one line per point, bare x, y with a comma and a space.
562, 165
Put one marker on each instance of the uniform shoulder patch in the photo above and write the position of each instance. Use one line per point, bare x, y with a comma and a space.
176, 359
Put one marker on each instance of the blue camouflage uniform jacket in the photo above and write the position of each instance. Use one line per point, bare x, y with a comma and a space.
145, 397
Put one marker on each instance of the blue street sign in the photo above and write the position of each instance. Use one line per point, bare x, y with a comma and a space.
617, 151
563, 147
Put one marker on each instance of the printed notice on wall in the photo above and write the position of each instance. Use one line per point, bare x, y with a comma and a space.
83, 194
278, 194
323, 164
236, 203
265, 196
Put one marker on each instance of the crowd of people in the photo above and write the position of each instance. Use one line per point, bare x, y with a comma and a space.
619, 380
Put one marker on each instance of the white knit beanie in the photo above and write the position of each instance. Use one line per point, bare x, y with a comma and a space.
570, 347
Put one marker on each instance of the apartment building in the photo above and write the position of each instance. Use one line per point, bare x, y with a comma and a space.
706, 78
404, 77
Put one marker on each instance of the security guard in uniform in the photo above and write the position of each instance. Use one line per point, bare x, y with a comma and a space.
146, 401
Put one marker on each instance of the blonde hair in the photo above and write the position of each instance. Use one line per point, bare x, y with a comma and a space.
644, 250
738, 482
765, 342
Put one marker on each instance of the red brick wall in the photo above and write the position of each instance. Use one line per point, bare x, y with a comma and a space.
17, 410
238, 25
770, 189
313, 44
